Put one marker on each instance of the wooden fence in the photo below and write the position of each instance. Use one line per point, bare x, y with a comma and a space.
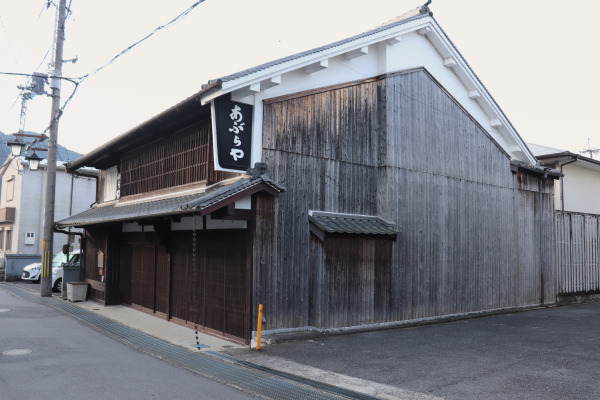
577, 252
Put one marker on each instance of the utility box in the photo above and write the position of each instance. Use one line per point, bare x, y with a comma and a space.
29, 237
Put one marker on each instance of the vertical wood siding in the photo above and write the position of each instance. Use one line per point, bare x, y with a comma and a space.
95, 240
162, 278
180, 159
473, 235
354, 282
578, 252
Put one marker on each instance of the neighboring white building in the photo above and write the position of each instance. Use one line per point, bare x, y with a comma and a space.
579, 189
22, 205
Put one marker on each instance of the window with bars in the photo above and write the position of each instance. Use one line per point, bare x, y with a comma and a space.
177, 160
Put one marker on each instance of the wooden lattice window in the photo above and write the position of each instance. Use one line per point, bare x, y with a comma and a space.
177, 160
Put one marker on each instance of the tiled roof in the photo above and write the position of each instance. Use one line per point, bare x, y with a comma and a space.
92, 157
326, 222
203, 202
390, 25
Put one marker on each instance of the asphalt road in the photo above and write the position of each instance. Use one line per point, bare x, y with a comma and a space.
47, 354
548, 354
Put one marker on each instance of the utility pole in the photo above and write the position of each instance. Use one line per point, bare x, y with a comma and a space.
590, 150
55, 81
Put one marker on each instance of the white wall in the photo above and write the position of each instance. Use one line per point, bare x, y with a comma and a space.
581, 189
29, 201
12, 172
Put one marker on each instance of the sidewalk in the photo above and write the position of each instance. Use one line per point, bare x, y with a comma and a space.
159, 328
186, 338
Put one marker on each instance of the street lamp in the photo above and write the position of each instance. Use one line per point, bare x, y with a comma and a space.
34, 161
16, 146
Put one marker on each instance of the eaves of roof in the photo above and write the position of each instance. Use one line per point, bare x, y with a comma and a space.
436, 35
202, 203
228, 83
567, 155
540, 170
322, 223
214, 86
108, 154
321, 49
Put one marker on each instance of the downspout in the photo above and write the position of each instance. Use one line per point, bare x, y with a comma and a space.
70, 203
71, 199
540, 245
562, 185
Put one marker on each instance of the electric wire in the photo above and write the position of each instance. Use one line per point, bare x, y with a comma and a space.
79, 80
45, 8
174, 21
8, 39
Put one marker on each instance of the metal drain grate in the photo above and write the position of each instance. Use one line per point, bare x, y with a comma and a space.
244, 375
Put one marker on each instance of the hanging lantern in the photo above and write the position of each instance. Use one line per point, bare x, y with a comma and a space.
15, 147
34, 161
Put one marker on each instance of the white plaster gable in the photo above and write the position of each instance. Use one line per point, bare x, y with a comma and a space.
417, 42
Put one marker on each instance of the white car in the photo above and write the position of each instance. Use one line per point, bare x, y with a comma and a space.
33, 272
57, 270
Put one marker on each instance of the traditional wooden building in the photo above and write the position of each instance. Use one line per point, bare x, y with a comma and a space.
357, 185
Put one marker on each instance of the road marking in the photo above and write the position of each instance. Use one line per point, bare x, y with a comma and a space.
16, 352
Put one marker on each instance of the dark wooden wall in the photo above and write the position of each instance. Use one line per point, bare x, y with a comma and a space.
474, 235
185, 157
103, 239
158, 278
351, 281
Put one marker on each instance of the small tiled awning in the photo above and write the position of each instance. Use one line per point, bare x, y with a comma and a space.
201, 203
322, 223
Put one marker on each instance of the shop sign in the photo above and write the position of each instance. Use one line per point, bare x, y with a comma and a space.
233, 127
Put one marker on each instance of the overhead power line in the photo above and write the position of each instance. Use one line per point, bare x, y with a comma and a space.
79, 80
126, 50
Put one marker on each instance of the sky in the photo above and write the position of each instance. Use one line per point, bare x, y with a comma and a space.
537, 58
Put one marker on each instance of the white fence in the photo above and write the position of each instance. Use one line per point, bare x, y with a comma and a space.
577, 252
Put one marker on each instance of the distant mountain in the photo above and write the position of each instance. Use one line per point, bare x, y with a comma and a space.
62, 153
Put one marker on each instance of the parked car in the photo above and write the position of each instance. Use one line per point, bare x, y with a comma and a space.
33, 272
57, 271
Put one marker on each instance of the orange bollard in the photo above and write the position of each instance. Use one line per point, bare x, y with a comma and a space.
259, 327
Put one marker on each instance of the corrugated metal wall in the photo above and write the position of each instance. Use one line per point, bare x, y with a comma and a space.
473, 235
578, 252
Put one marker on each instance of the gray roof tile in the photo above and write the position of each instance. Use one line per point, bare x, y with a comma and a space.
202, 203
327, 222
